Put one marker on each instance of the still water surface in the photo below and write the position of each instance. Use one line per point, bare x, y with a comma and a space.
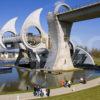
19, 78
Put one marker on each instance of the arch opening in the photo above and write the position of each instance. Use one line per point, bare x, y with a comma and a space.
61, 8
33, 36
9, 45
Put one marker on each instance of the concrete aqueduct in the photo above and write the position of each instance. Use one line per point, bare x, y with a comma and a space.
55, 50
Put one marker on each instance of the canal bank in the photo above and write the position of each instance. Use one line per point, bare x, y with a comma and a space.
54, 92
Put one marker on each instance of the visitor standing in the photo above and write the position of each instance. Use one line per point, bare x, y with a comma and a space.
82, 80
62, 82
35, 90
65, 84
48, 92
69, 83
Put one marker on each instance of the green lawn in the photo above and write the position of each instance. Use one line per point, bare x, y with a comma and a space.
15, 92
88, 94
97, 61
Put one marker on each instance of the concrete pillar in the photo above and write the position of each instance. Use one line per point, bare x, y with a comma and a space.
59, 57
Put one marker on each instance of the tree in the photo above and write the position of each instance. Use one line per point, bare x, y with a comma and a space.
95, 52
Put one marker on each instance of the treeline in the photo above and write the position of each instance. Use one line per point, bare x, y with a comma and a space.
94, 51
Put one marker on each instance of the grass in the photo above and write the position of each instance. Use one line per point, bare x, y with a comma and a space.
88, 94
15, 92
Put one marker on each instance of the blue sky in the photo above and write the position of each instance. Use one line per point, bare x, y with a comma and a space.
86, 33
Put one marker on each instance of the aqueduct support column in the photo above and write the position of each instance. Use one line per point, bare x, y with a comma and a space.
59, 57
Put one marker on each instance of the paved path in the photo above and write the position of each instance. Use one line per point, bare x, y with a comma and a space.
58, 91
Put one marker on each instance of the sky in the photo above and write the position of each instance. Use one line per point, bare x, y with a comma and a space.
85, 33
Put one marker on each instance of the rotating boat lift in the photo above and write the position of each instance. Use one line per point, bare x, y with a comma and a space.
55, 50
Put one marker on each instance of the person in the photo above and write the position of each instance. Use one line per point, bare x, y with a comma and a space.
62, 82
41, 92
69, 83
27, 87
35, 90
38, 90
48, 92
65, 84
82, 80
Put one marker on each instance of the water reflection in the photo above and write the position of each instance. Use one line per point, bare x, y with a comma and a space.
20, 78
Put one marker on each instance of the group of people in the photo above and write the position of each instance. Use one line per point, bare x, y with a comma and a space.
69, 83
66, 83
38, 91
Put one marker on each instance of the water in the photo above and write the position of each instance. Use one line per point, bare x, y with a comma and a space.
19, 78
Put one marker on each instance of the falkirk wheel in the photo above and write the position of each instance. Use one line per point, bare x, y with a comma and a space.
54, 51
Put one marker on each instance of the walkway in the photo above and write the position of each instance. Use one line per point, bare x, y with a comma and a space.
54, 92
